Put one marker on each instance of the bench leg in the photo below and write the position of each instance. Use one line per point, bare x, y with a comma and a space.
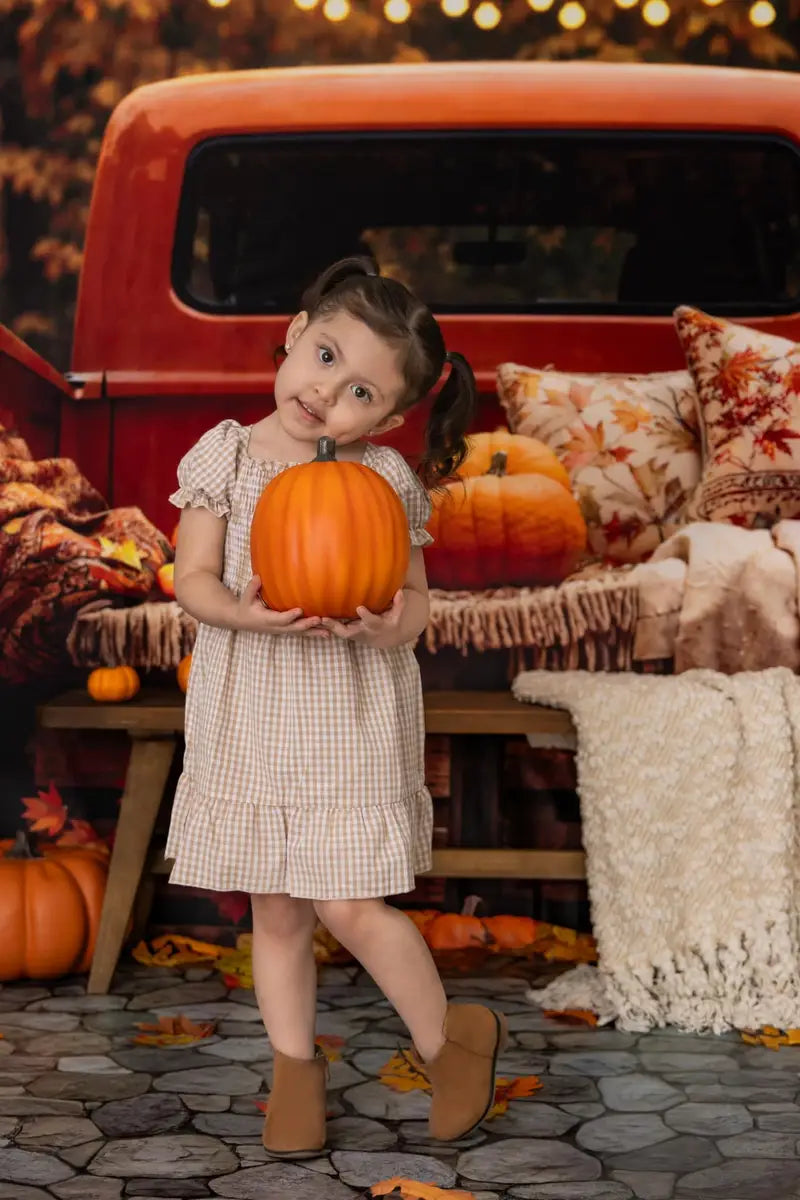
148, 771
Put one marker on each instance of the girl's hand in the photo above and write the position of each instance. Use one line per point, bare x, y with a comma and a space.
380, 631
253, 615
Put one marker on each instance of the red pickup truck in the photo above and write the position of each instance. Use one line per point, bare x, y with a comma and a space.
551, 213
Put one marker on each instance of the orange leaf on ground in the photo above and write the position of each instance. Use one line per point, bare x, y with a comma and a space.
173, 1031
402, 1073
46, 812
331, 1045
572, 1016
174, 950
512, 1089
411, 1189
771, 1037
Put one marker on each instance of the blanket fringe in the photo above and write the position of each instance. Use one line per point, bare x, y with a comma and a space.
585, 624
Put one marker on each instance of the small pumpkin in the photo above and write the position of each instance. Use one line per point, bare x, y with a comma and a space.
50, 903
328, 537
511, 934
182, 672
504, 530
166, 579
113, 684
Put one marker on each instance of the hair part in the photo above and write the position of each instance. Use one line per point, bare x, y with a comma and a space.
390, 310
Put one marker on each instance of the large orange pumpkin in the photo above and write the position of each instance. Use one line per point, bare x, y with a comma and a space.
500, 529
329, 536
524, 456
50, 902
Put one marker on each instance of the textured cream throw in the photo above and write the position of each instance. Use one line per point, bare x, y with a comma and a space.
690, 796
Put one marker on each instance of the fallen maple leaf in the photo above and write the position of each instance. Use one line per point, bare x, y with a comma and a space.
572, 1016
46, 812
124, 552
173, 1031
81, 833
771, 1037
175, 950
412, 1189
402, 1073
512, 1089
331, 1045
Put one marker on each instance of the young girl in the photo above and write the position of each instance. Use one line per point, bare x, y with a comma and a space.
303, 780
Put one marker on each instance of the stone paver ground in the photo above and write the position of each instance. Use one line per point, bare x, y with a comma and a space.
85, 1114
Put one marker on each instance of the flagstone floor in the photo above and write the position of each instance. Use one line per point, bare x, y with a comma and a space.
86, 1114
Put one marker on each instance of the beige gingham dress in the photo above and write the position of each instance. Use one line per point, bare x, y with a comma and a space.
304, 763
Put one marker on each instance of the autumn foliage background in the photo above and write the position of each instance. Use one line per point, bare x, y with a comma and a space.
64, 65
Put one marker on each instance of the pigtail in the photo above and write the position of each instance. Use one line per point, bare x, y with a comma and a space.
346, 269
451, 415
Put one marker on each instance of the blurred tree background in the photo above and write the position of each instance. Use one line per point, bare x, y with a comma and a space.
64, 65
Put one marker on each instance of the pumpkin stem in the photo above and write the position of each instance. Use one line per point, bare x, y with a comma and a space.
23, 847
471, 906
326, 450
498, 464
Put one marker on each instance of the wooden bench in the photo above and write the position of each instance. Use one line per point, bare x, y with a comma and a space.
154, 721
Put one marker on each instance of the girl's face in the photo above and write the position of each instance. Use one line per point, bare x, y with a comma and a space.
338, 380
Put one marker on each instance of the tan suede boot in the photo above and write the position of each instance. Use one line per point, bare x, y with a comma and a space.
295, 1122
462, 1074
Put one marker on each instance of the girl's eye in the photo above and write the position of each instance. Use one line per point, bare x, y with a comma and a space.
325, 355
362, 393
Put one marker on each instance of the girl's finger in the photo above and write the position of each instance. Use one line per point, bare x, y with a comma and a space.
251, 591
343, 630
291, 616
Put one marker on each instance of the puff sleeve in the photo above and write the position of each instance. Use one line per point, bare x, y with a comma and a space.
413, 495
207, 472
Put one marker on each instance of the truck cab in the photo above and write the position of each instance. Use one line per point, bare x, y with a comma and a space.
549, 213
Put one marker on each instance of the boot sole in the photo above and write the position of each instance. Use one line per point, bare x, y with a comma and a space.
500, 1044
294, 1154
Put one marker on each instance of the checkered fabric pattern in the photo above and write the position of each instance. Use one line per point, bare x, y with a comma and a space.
304, 763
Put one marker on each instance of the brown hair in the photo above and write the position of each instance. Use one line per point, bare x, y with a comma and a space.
354, 286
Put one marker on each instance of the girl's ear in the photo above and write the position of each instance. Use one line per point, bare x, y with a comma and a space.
298, 326
393, 421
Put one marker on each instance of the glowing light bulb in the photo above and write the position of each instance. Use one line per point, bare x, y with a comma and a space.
656, 12
487, 15
712, 3
762, 14
626, 3
336, 10
454, 8
397, 11
306, 5
540, 6
218, 3
572, 15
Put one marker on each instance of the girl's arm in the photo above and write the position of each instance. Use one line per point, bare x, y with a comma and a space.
199, 588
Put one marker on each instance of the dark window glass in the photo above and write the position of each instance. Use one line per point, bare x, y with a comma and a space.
497, 222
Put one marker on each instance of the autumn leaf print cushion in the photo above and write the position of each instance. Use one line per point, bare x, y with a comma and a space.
629, 442
748, 387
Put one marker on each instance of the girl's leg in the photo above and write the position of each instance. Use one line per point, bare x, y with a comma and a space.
284, 971
392, 950
459, 1043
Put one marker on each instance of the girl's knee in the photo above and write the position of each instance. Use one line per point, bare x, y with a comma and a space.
283, 915
342, 917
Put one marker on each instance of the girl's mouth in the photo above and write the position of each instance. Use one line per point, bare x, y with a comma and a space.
307, 413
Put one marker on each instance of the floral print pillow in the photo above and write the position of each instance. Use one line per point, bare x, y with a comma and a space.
748, 388
629, 442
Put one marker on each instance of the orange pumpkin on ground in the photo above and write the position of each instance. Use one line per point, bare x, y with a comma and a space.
113, 684
505, 530
166, 579
329, 536
457, 931
182, 672
50, 904
510, 934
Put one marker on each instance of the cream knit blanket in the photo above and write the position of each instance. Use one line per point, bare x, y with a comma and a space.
690, 793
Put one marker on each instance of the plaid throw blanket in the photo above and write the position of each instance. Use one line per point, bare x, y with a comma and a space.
61, 548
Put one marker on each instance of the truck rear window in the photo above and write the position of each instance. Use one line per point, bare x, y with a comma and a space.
495, 222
